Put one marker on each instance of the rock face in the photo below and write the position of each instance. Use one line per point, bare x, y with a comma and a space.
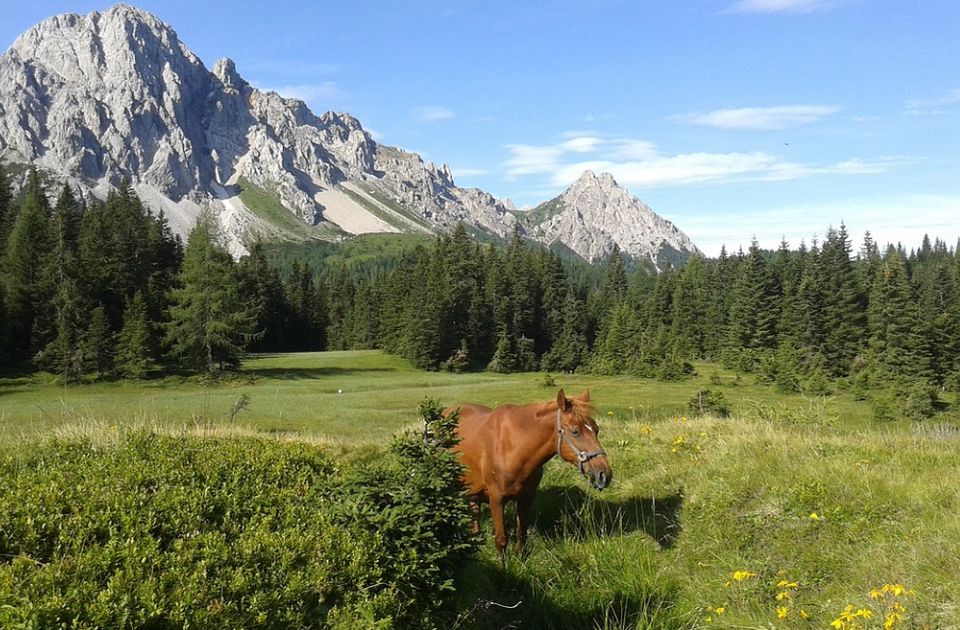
109, 95
97, 98
595, 213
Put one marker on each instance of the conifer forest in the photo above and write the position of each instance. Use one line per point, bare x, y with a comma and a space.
106, 290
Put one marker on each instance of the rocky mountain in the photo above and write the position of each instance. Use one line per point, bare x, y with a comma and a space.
97, 98
595, 213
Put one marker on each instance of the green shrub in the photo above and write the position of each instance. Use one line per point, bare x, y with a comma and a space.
707, 401
918, 401
201, 532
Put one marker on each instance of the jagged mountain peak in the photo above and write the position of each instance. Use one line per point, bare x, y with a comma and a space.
112, 95
96, 98
595, 214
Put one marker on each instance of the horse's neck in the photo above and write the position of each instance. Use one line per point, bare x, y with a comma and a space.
544, 423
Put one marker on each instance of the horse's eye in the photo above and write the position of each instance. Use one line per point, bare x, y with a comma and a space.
575, 432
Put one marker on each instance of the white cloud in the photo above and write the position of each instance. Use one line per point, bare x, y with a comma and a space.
432, 113
780, 6
934, 105
760, 118
638, 163
898, 219
532, 160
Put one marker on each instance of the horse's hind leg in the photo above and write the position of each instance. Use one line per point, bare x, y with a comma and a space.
475, 506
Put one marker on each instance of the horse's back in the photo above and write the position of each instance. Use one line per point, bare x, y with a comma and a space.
471, 415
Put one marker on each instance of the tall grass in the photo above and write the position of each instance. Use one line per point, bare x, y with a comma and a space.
786, 490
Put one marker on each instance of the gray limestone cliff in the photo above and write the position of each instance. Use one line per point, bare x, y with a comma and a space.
94, 99
104, 96
595, 213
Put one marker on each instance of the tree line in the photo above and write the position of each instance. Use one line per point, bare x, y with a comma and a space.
107, 289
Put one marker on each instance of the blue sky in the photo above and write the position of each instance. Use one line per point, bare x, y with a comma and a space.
732, 118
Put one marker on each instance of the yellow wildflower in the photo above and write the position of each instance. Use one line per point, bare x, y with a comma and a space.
815, 517
609, 413
782, 612
786, 584
646, 429
803, 614
782, 595
740, 576
719, 610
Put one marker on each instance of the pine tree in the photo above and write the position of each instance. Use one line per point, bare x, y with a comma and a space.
569, 350
844, 304
62, 312
895, 345
134, 354
688, 322
263, 285
97, 344
27, 248
754, 311
618, 345
211, 322
505, 356
6, 208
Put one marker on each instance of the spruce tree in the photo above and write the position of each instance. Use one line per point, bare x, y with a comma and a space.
688, 321
26, 250
844, 306
62, 312
569, 350
263, 285
754, 308
6, 208
134, 354
618, 345
211, 322
97, 343
896, 352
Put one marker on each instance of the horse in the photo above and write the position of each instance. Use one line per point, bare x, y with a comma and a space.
503, 451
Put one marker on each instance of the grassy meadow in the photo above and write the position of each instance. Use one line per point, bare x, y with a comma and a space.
783, 515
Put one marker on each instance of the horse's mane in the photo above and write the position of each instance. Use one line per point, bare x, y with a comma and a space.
582, 410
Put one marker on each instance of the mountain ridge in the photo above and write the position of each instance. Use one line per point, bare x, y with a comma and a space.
99, 97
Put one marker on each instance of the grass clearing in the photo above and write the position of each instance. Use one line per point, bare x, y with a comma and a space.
787, 489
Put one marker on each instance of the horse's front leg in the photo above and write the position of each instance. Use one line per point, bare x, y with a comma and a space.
524, 509
499, 529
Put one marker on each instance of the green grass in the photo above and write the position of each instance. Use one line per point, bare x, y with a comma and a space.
266, 206
657, 549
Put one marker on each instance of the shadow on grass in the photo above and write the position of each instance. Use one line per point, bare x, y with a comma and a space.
294, 373
492, 596
570, 512
521, 595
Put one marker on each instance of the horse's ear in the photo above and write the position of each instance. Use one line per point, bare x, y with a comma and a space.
562, 402
585, 396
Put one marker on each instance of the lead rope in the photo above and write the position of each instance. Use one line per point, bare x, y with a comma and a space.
582, 456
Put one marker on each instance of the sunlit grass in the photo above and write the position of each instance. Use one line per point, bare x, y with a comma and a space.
790, 490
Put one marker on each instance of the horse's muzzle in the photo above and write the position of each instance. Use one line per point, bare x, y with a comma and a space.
601, 476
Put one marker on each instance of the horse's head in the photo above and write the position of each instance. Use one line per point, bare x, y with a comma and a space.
578, 438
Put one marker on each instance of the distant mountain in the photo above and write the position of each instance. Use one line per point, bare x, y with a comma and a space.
595, 213
94, 99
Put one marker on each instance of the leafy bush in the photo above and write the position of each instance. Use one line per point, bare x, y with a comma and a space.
707, 401
175, 532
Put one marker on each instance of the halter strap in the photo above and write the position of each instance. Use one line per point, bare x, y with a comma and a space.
582, 456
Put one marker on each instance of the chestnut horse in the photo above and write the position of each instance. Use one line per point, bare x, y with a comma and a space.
503, 451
